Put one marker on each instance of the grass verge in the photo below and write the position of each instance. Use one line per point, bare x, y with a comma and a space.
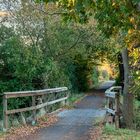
111, 133
74, 98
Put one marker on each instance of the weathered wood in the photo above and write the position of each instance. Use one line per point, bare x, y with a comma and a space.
39, 91
5, 116
35, 107
58, 100
63, 103
115, 87
34, 111
111, 103
110, 94
113, 98
112, 91
34, 93
110, 111
117, 108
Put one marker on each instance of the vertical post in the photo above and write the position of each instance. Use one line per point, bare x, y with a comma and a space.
107, 114
34, 111
5, 116
67, 101
44, 100
107, 102
117, 106
63, 103
110, 103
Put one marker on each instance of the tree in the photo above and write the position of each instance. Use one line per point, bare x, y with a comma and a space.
113, 17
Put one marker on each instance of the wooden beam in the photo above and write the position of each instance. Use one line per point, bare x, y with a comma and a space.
34, 93
110, 111
117, 108
5, 116
110, 94
34, 111
35, 107
115, 87
58, 100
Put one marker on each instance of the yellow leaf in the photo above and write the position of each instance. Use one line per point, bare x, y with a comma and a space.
132, 20
113, 4
130, 31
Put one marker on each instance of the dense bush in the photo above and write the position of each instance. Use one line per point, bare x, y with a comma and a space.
82, 73
95, 77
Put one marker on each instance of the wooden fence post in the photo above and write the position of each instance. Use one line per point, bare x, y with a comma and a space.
117, 105
34, 111
5, 116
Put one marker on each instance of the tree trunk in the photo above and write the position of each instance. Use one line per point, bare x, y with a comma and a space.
121, 70
127, 96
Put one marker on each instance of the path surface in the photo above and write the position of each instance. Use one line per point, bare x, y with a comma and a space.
74, 124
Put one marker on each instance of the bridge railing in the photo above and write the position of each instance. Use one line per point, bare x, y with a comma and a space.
113, 104
50, 96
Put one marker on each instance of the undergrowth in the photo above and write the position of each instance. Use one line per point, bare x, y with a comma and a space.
111, 133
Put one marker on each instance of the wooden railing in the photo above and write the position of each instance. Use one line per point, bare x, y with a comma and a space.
113, 105
34, 107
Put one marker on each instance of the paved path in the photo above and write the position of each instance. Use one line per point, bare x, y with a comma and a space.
74, 124
106, 84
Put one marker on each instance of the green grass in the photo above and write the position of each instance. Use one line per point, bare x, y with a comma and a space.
75, 97
137, 114
111, 133
137, 104
2, 135
72, 99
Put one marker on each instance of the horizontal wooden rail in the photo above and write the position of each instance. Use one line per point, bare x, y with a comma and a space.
34, 107
110, 94
33, 93
110, 111
112, 91
115, 88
